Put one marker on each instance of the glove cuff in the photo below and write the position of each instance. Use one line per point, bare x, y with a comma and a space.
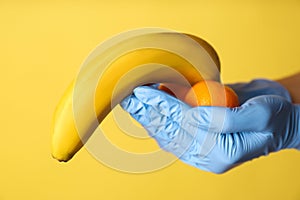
294, 141
297, 126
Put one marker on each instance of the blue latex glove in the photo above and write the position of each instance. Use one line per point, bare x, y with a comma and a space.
216, 139
259, 87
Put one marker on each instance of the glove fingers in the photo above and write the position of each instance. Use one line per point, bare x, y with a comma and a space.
177, 143
141, 112
133, 106
188, 146
162, 116
161, 102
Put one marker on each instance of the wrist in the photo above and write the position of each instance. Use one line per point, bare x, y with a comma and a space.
292, 83
282, 89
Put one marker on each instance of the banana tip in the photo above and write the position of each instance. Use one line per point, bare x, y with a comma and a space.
61, 159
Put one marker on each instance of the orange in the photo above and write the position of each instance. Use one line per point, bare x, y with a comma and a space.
176, 90
211, 93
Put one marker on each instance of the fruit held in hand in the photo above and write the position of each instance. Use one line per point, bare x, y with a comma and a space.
176, 90
211, 93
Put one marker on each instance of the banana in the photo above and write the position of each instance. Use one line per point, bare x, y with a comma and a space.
152, 57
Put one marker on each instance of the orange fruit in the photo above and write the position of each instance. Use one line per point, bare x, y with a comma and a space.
176, 90
211, 93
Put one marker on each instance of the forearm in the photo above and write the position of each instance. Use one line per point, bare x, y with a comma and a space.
292, 84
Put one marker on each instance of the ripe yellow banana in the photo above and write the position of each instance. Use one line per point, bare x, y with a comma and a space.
136, 61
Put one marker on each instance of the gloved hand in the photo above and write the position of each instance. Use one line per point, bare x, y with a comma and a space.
216, 139
259, 87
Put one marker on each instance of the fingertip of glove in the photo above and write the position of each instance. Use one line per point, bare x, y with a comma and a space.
142, 119
153, 97
131, 104
125, 102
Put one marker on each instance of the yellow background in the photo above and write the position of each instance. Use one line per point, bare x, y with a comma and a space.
43, 43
